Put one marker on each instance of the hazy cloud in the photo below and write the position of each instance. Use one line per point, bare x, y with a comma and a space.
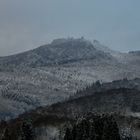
26, 24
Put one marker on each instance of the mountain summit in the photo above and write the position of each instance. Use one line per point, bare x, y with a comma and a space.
60, 51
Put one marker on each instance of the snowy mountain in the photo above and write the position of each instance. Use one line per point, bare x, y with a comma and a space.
60, 51
53, 72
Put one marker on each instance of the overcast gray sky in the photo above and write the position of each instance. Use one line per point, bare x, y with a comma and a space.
26, 24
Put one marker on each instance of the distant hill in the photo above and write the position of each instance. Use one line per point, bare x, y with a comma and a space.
60, 51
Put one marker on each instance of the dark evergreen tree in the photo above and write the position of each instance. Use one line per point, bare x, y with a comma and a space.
95, 128
27, 132
68, 135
